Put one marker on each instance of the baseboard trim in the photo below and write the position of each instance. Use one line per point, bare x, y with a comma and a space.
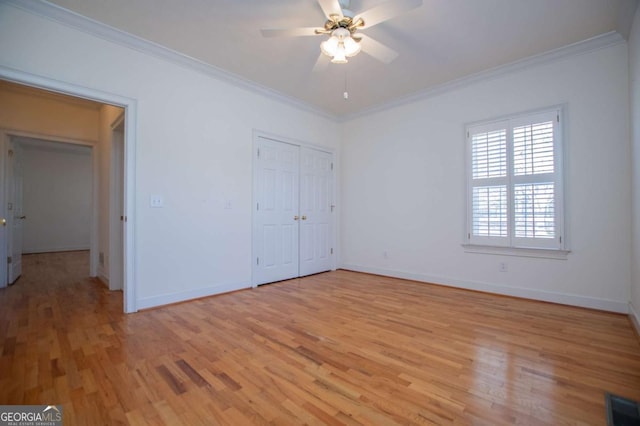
634, 317
183, 296
526, 293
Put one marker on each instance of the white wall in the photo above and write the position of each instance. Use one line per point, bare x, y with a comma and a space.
57, 182
194, 138
634, 82
403, 186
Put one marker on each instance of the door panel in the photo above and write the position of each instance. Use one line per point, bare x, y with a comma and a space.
306, 242
293, 216
289, 236
315, 211
276, 190
16, 215
116, 243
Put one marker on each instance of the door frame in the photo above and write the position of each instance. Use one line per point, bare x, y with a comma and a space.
257, 134
5, 137
130, 112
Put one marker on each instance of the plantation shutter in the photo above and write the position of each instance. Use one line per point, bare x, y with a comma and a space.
489, 184
514, 189
535, 180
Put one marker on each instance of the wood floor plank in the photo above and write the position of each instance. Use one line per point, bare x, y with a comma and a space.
340, 348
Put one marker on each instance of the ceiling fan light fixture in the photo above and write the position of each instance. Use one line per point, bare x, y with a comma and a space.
340, 46
341, 30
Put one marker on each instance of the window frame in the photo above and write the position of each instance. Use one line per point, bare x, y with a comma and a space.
555, 247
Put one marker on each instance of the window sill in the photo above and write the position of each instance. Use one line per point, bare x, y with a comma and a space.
517, 251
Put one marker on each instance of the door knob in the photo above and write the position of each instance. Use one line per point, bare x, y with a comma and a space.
3, 221
296, 218
304, 217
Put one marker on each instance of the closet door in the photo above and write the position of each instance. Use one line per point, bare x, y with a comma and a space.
276, 219
315, 211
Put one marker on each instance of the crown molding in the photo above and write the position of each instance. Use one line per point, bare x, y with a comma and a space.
585, 46
98, 29
95, 28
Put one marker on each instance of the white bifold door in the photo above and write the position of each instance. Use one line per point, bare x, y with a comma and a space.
293, 218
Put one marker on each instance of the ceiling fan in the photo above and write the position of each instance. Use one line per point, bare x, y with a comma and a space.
343, 28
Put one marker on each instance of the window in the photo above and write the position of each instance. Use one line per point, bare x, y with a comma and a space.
514, 190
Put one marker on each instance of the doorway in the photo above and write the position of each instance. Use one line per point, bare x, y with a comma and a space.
49, 190
127, 149
293, 219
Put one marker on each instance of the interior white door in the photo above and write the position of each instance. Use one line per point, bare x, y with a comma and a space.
315, 211
116, 243
276, 189
16, 215
4, 231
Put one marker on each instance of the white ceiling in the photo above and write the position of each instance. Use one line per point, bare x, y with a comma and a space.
441, 41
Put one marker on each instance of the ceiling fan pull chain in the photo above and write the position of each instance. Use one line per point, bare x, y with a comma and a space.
345, 95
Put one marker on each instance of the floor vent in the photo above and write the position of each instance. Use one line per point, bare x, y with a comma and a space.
622, 411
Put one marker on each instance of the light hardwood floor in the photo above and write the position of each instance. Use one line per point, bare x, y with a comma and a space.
335, 348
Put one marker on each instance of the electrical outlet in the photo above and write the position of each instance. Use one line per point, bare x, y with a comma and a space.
156, 201
503, 267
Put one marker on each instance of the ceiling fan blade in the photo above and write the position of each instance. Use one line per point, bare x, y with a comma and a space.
385, 11
322, 63
377, 50
290, 32
331, 7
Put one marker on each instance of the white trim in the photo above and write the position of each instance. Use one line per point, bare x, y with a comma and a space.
182, 296
130, 106
98, 29
517, 251
526, 293
611, 38
291, 141
634, 317
130, 282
